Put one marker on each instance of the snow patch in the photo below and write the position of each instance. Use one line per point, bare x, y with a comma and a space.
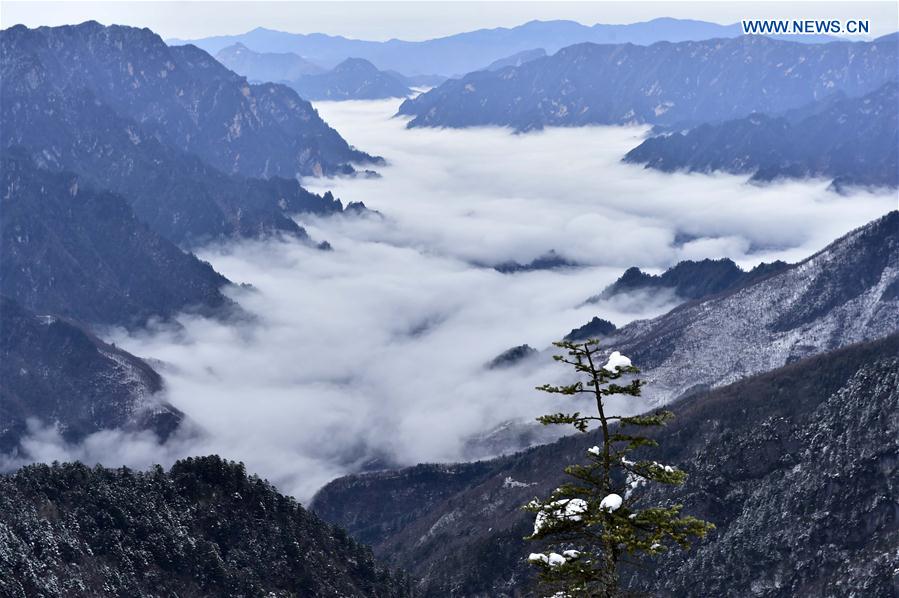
560, 510
616, 360
611, 503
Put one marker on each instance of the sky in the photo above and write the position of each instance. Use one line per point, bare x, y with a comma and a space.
413, 20
375, 353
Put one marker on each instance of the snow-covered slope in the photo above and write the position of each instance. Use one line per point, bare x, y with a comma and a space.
846, 293
58, 374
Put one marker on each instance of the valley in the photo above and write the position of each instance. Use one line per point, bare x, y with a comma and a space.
294, 313
409, 311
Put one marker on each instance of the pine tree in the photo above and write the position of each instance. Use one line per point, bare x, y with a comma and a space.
594, 522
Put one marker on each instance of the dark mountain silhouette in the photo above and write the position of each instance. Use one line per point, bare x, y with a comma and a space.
512, 356
550, 260
690, 280
597, 328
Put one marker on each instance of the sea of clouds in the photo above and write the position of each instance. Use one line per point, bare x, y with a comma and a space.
374, 354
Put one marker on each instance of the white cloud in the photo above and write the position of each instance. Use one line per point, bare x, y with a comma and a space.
373, 353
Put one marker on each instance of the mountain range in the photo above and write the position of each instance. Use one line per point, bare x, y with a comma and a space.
851, 140
121, 153
110, 145
469, 51
198, 152
259, 67
203, 528
796, 468
352, 79
181, 96
664, 83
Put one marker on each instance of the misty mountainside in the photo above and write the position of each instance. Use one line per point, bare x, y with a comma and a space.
74, 251
181, 96
203, 528
352, 79
517, 59
59, 374
796, 468
846, 293
689, 280
512, 356
276, 67
665, 83
853, 141
99, 135
469, 51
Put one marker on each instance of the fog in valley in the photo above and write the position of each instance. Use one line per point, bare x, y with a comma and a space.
375, 353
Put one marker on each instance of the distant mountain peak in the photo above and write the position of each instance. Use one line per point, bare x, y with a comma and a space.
355, 65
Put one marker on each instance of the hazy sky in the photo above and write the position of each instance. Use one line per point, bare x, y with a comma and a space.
413, 20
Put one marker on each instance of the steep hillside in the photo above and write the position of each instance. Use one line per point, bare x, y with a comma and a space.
60, 374
854, 141
133, 134
796, 467
704, 81
182, 96
846, 293
73, 251
204, 528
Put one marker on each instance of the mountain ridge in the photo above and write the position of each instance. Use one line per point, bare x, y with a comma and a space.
74, 251
746, 447
850, 140
470, 50
202, 528
188, 100
663, 84
846, 293
176, 192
